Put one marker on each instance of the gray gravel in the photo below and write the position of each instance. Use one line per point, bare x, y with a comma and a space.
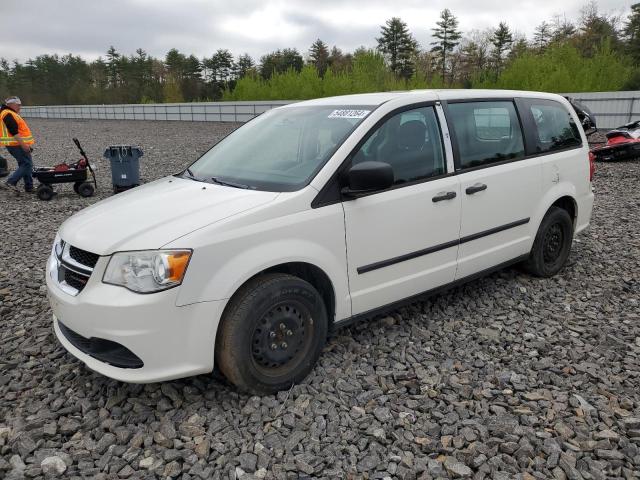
507, 377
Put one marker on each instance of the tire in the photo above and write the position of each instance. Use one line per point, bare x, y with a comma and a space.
4, 168
85, 189
552, 245
45, 192
272, 310
75, 187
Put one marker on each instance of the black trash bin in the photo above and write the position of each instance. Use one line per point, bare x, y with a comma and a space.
4, 167
125, 166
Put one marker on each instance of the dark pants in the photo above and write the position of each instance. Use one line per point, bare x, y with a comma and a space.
25, 167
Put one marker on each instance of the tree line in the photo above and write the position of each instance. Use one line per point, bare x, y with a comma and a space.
596, 52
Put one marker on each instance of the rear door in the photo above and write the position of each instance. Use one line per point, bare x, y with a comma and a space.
500, 186
404, 240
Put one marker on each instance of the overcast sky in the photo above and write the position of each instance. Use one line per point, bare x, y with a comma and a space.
88, 27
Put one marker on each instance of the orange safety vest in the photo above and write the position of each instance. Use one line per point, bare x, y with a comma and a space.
23, 130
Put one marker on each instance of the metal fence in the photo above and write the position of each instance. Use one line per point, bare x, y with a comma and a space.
610, 108
193, 112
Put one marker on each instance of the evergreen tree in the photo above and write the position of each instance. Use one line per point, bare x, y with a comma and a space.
542, 36
519, 47
448, 38
319, 56
338, 61
398, 46
632, 33
502, 41
174, 62
244, 66
562, 29
291, 59
113, 57
280, 61
596, 29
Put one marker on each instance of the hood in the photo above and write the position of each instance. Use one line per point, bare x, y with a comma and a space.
152, 215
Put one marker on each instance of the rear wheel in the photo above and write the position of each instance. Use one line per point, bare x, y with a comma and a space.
45, 192
85, 189
552, 245
272, 333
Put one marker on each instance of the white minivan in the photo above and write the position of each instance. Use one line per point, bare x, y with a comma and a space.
313, 215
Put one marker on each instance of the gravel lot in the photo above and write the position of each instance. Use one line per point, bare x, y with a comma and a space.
506, 377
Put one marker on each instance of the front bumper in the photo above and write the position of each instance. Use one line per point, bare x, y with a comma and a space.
171, 342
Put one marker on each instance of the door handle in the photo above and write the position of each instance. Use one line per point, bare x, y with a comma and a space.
478, 187
444, 196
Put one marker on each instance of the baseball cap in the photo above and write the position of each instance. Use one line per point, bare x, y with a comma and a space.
10, 100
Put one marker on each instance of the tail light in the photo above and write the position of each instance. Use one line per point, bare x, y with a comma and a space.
592, 165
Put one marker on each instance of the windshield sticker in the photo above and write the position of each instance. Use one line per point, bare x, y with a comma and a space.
349, 113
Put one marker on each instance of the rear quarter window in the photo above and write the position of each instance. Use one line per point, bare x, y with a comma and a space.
554, 125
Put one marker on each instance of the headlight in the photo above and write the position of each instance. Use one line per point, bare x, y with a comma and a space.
58, 246
147, 271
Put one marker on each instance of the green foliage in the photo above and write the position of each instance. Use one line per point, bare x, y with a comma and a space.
562, 69
368, 74
171, 91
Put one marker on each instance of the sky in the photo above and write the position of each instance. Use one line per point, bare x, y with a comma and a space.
200, 27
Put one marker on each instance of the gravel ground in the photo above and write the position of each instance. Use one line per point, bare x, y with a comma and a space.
507, 377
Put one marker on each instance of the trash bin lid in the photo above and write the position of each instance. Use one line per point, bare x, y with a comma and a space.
123, 151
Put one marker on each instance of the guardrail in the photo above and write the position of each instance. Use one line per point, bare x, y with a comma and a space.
193, 112
611, 109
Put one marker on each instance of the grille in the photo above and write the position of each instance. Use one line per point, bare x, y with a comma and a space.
74, 279
83, 257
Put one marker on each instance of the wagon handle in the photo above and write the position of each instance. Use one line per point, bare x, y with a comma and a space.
77, 142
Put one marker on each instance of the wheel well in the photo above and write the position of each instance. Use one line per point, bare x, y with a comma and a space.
312, 274
568, 204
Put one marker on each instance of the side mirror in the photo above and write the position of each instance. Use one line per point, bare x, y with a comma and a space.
368, 177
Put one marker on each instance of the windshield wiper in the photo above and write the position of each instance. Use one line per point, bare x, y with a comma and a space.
191, 175
229, 184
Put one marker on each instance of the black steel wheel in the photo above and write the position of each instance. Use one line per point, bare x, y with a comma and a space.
85, 189
272, 333
552, 244
45, 192
280, 336
75, 187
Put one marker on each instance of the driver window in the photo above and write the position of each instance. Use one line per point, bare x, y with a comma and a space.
410, 142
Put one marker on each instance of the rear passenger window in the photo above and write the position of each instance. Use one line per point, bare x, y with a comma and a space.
486, 132
555, 128
410, 142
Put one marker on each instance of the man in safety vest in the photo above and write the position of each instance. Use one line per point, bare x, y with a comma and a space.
16, 136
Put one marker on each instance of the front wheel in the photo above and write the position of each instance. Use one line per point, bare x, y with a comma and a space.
272, 333
552, 245
45, 192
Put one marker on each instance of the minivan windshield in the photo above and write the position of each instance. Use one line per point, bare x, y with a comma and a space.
281, 150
